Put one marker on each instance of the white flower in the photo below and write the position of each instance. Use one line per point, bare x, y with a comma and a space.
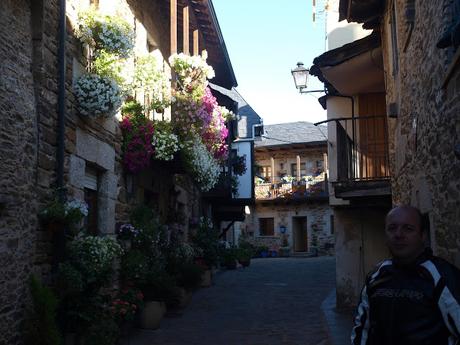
97, 95
205, 167
76, 204
166, 144
109, 33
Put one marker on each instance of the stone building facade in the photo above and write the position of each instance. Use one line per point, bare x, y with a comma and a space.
92, 157
408, 63
423, 86
291, 208
24, 165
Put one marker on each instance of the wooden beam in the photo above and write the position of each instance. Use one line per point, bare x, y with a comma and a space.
298, 167
186, 30
272, 163
196, 43
173, 26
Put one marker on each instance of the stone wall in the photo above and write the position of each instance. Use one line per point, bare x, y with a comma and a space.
28, 141
425, 168
319, 236
20, 159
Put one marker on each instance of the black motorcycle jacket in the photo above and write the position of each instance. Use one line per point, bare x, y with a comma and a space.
415, 304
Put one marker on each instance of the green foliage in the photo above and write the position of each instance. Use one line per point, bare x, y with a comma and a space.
206, 239
101, 331
70, 280
40, 325
54, 211
132, 108
110, 34
71, 212
244, 254
260, 249
162, 287
228, 257
189, 275
110, 66
93, 257
140, 268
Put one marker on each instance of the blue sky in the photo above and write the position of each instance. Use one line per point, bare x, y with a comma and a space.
265, 40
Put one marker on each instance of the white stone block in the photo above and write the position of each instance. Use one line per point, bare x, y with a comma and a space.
96, 151
77, 171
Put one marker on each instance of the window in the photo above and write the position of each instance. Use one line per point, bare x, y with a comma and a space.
91, 186
266, 226
303, 170
266, 172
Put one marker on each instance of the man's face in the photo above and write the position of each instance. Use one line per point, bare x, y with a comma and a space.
405, 238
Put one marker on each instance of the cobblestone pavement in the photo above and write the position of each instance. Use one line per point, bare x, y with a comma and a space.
274, 301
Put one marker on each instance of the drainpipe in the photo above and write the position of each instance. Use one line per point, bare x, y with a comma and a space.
61, 100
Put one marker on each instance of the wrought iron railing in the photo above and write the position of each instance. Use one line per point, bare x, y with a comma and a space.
362, 148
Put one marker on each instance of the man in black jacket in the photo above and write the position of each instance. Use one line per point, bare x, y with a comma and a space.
412, 299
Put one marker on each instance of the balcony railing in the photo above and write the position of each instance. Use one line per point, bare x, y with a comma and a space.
362, 148
297, 190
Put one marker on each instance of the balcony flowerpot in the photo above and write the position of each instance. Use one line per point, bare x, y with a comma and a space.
206, 278
151, 314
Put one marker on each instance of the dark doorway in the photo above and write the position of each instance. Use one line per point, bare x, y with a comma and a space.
300, 234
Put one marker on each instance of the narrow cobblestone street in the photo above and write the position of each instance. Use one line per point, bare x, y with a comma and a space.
274, 301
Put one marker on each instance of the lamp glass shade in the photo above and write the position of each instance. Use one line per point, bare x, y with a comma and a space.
300, 75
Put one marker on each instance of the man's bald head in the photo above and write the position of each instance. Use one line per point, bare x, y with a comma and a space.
407, 209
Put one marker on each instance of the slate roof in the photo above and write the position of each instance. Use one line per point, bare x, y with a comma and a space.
247, 117
300, 132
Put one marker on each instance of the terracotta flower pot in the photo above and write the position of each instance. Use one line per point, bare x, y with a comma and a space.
151, 314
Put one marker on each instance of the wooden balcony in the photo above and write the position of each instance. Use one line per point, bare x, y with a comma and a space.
295, 190
363, 169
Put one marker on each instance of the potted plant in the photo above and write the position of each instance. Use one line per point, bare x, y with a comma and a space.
229, 258
81, 282
262, 251
56, 215
244, 256
40, 326
126, 233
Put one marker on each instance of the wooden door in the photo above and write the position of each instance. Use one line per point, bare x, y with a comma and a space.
372, 150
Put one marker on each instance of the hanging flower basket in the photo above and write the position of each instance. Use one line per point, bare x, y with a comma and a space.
111, 34
97, 95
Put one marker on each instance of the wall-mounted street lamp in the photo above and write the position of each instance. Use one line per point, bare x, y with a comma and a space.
300, 75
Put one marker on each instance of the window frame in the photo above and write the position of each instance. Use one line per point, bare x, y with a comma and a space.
264, 229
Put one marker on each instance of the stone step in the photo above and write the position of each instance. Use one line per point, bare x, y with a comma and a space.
303, 254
